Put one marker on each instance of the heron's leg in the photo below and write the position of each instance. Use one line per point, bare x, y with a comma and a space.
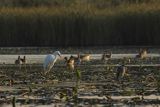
43, 74
46, 72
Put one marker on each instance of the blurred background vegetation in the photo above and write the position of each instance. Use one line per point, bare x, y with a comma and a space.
79, 22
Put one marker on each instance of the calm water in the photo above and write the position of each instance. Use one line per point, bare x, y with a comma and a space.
10, 59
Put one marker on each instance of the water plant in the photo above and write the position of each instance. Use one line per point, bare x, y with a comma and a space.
14, 102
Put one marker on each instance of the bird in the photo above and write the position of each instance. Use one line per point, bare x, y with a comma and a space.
106, 56
84, 57
127, 60
121, 71
142, 54
18, 61
76, 59
70, 63
11, 82
50, 60
23, 60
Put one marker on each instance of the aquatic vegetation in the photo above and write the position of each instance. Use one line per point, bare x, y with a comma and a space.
91, 83
14, 102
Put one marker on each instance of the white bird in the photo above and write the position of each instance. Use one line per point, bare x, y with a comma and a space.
50, 60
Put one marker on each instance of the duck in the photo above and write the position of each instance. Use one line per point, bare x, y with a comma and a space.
23, 60
76, 59
106, 56
121, 71
70, 63
18, 61
142, 54
84, 57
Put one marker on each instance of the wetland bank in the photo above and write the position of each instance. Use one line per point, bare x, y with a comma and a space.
35, 28
92, 83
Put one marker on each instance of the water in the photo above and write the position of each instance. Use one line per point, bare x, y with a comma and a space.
10, 59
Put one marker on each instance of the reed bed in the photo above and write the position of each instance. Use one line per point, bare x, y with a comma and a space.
82, 23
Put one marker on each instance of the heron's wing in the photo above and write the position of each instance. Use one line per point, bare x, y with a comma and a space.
50, 65
49, 59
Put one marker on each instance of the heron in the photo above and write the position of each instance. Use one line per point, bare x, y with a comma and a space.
50, 60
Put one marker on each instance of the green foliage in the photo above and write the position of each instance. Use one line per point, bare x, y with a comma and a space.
14, 102
128, 92
78, 74
75, 93
30, 89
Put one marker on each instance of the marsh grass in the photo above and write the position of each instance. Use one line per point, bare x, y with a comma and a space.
88, 79
79, 24
14, 102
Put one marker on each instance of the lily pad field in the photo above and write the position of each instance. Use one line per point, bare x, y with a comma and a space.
92, 83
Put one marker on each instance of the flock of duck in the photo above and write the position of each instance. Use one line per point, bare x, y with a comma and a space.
71, 61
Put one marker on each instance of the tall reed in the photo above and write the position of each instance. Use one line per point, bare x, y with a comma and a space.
80, 25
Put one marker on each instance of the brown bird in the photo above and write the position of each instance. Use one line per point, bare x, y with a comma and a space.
106, 56
76, 59
121, 71
84, 57
24, 61
18, 61
126, 60
11, 82
142, 54
70, 63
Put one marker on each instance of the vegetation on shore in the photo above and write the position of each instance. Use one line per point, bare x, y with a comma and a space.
79, 22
